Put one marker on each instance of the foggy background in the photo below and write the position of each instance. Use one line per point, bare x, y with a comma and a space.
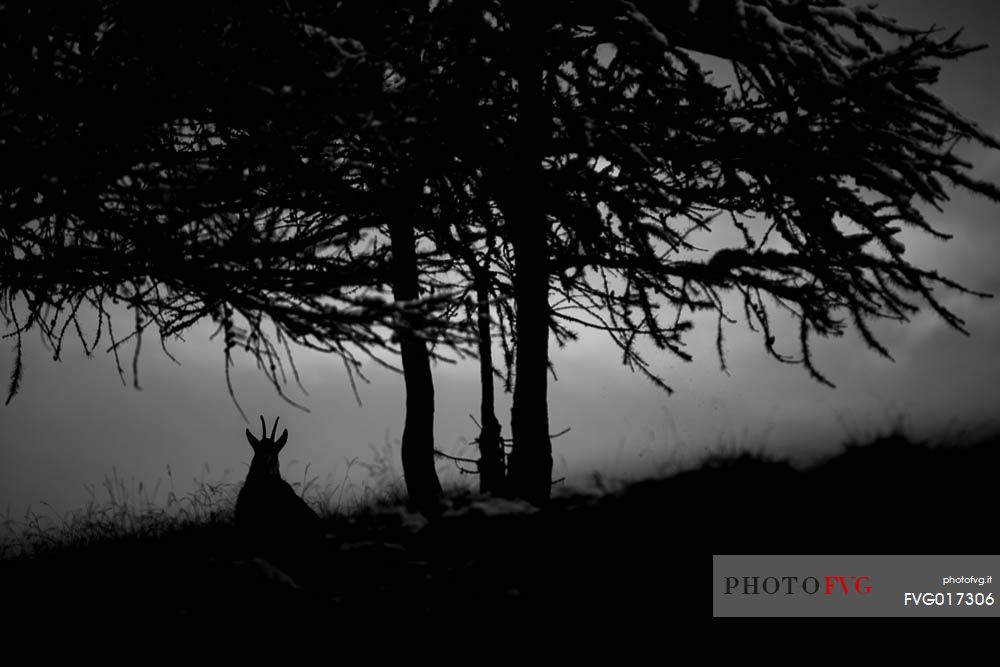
74, 422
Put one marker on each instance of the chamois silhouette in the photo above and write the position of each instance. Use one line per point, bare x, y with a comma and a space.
268, 510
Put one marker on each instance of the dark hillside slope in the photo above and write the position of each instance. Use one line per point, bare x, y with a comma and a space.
620, 558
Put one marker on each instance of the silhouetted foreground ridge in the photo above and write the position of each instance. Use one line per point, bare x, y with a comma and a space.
585, 558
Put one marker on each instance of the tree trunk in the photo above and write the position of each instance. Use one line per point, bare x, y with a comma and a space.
530, 471
492, 467
419, 471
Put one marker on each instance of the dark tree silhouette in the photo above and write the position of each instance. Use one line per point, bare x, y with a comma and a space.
465, 228
605, 142
216, 166
588, 141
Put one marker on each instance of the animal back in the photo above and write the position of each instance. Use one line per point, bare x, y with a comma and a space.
272, 508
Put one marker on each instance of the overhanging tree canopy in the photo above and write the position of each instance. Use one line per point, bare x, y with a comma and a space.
604, 141
196, 164
588, 139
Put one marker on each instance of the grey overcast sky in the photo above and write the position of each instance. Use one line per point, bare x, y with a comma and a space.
74, 422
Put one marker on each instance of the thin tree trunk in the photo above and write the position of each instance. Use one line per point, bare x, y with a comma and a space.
530, 471
492, 467
419, 472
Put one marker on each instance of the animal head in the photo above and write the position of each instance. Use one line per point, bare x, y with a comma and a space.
265, 451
